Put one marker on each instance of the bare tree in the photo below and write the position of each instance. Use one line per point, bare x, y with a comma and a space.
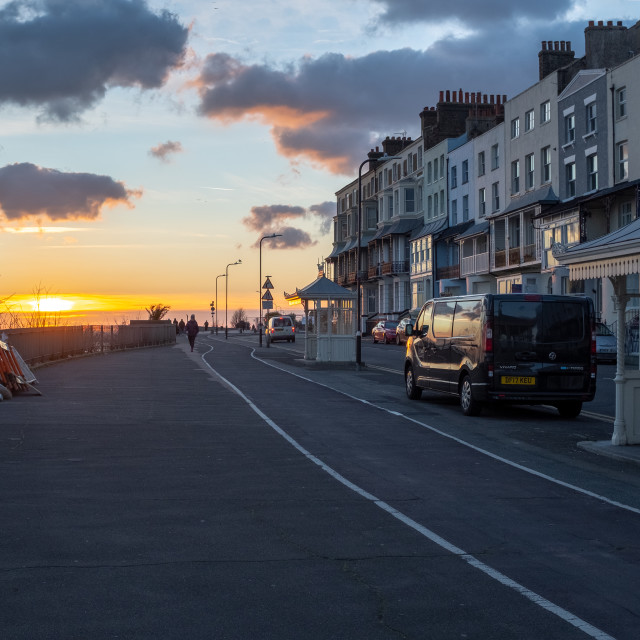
239, 319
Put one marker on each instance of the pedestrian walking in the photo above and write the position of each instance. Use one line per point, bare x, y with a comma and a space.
192, 330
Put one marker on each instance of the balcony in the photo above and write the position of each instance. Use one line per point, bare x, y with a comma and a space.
341, 279
398, 266
448, 273
500, 259
477, 263
374, 272
351, 277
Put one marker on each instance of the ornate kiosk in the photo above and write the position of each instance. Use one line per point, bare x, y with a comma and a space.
330, 322
614, 256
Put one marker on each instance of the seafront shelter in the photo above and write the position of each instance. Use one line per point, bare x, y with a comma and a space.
614, 256
330, 320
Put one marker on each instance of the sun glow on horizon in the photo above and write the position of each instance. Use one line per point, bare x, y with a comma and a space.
51, 304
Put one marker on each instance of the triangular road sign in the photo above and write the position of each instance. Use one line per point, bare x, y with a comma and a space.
267, 284
267, 296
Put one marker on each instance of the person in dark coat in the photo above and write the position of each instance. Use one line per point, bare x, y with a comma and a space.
192, 330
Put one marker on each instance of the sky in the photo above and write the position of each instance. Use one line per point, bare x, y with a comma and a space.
147, 145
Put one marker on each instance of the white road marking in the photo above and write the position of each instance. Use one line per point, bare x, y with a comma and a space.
535, 598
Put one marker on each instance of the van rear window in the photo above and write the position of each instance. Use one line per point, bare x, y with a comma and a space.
525, 322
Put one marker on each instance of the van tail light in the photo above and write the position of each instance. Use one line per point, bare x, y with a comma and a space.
593, 339
293, 329
487, 336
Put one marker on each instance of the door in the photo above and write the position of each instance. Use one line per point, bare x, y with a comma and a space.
438, 347
420, 331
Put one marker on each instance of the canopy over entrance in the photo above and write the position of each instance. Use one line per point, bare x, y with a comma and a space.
330, 321
614, 256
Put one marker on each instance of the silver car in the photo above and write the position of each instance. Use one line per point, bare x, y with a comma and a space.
606, 343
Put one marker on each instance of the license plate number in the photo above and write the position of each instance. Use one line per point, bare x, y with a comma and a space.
529, 380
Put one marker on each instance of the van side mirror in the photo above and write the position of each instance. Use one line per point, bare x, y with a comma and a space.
408, 330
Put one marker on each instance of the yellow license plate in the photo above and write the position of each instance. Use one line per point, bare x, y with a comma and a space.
518, 380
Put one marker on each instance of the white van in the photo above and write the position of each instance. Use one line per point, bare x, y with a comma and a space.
280, 328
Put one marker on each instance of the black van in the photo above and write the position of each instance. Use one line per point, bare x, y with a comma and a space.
517, 348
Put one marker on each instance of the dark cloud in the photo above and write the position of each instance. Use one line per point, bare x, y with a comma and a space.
265, 218
325, 211
164, 150
63, 55
330, 111
470, 12
27, 190
292, 238
270, 219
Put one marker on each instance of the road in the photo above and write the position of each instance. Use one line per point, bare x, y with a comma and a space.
511, 489
237, 492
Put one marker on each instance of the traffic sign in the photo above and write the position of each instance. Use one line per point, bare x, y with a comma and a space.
267, 284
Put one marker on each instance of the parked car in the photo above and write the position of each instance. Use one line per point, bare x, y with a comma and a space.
280, 328
385, 331
401, 336
515, 348
606, 343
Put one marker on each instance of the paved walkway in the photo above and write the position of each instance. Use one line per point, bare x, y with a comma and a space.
142, 497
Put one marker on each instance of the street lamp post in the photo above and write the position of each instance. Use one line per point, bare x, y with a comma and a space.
273, 235
222, 275
226, 297
358, 278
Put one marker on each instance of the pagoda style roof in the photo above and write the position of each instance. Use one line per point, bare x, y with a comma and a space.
321, 289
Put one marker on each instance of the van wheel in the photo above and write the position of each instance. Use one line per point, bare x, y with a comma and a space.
413, 391
470, 406
569, 409
293, 339
374, 340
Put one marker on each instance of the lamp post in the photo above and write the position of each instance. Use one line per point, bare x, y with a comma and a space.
222, 275
226, 297
273, 235
358, 279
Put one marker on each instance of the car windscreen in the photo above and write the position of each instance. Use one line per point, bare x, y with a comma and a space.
524, 324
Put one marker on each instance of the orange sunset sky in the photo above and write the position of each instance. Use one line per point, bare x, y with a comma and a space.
146, 145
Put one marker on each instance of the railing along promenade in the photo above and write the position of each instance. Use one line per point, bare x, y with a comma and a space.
45, 344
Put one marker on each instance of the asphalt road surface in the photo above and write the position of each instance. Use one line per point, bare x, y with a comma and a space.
235, 492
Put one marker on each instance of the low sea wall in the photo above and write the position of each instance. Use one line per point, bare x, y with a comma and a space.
45, 344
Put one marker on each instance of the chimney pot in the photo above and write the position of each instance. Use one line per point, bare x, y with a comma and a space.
568, 45
544, 45
619, 23
592, 23
600, 23
609, 23
448, 96
442, 96
549, 45
466, 97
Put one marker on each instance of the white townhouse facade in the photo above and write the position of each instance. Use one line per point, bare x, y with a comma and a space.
531, 181
483, 196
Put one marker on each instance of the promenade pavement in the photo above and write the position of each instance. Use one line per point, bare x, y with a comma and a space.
144, 496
